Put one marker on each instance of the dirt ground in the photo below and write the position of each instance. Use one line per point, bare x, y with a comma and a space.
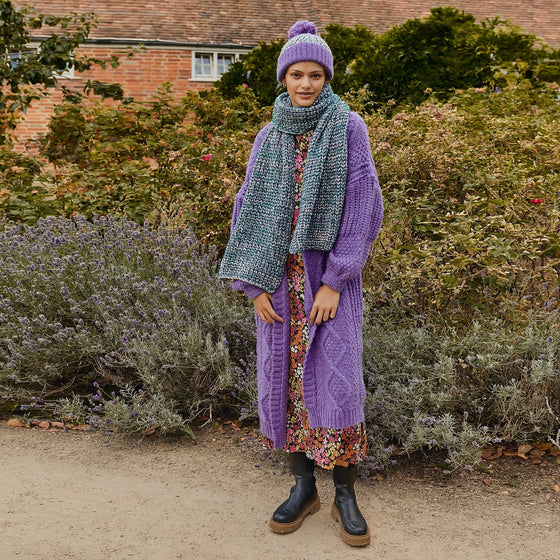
86, 496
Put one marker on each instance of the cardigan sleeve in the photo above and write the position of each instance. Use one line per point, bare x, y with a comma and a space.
251, 291
362, 213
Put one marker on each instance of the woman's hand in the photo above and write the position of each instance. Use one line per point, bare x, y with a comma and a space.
264, 309
325, 305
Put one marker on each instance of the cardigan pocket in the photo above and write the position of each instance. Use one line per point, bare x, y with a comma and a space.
338, 359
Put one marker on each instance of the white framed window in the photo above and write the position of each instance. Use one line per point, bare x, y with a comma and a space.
16, 56
209, 64
67, 74
224, 61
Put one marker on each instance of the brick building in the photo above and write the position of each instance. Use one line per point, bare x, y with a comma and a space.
191, 43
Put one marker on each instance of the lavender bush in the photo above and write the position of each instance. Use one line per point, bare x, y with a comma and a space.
437, 386
137, 311
127, 328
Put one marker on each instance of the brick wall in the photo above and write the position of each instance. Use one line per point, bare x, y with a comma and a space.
139, 76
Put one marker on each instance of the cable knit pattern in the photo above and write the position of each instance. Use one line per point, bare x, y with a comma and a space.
333, 386
259, 243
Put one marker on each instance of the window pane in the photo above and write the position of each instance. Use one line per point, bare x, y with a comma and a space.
14, 59
224, 60
203, 64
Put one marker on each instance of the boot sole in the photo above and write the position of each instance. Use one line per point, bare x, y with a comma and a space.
352, 540
285, 528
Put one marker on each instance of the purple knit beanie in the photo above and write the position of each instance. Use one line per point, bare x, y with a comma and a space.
304, 44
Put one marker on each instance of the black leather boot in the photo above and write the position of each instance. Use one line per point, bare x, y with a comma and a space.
303, 499
353, 527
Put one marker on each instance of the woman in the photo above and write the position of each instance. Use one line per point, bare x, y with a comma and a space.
303, 224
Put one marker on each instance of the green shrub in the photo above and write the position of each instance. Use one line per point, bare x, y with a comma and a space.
437, 54
166, 160
449, 50
431, 385
471, 191
22, 197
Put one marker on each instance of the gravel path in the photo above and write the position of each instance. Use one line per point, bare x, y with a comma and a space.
81, 496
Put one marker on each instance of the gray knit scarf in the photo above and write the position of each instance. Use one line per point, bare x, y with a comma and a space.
261, 239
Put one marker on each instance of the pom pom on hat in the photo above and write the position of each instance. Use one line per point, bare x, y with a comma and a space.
304, 44
301, 27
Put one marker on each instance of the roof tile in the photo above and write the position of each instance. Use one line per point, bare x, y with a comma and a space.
247, 22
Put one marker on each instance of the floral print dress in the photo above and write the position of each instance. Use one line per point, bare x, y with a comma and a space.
325, 446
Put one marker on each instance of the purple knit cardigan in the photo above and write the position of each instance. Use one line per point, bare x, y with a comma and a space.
333, 384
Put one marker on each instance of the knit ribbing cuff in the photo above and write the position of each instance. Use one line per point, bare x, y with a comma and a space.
333, 281
251, 291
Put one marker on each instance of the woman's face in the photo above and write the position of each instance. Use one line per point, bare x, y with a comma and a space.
304, 81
